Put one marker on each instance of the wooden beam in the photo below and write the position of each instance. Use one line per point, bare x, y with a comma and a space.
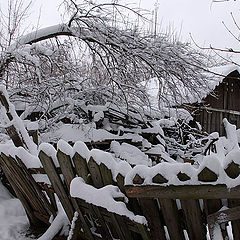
205, 191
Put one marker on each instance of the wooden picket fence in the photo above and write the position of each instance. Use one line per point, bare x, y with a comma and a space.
178, 212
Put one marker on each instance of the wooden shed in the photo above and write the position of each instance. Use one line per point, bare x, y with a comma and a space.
223, 102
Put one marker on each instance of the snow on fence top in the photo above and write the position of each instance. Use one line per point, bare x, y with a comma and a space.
209, 172
105, 198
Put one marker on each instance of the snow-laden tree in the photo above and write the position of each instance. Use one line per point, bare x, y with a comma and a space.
106, 54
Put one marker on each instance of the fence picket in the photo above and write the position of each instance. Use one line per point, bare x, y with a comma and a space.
171, 218
193, 214
81, 167
57, 184
68, 174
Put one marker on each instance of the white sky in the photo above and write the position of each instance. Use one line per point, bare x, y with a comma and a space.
201, 18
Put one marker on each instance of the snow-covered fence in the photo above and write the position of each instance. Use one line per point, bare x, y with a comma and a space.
112, 199
27, 190
102, 210
200, 192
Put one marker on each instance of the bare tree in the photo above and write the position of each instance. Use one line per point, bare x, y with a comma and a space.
119, 58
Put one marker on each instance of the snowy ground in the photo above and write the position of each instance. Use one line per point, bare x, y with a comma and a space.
13, 220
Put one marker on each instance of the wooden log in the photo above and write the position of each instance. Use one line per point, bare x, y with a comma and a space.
205, 191
69, 173
171, 218
195, 227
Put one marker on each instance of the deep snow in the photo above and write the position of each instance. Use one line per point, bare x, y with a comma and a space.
13, 219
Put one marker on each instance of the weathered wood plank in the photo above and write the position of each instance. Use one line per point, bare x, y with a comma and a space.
151, 212
171, 218
37, 188
230, 214
57, 184
26, 187
29, 211
133, 203
134, 206
206, 191
69, 173
87, 209
41, 170
106, 175
195, 227
103, 226
95, 173
103, 176
81, 167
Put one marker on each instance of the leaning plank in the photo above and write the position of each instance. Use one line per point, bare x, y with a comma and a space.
69, 173
26, 187
171, 217
32, 218
37, 188
57, 184
205, 191
133, 203
223, 216
193, 214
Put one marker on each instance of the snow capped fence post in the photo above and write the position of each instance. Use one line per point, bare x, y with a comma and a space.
13, 124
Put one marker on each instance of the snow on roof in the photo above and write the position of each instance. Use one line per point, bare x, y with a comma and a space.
215, 75
220, 73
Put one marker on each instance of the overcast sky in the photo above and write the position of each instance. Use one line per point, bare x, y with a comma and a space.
202, 18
